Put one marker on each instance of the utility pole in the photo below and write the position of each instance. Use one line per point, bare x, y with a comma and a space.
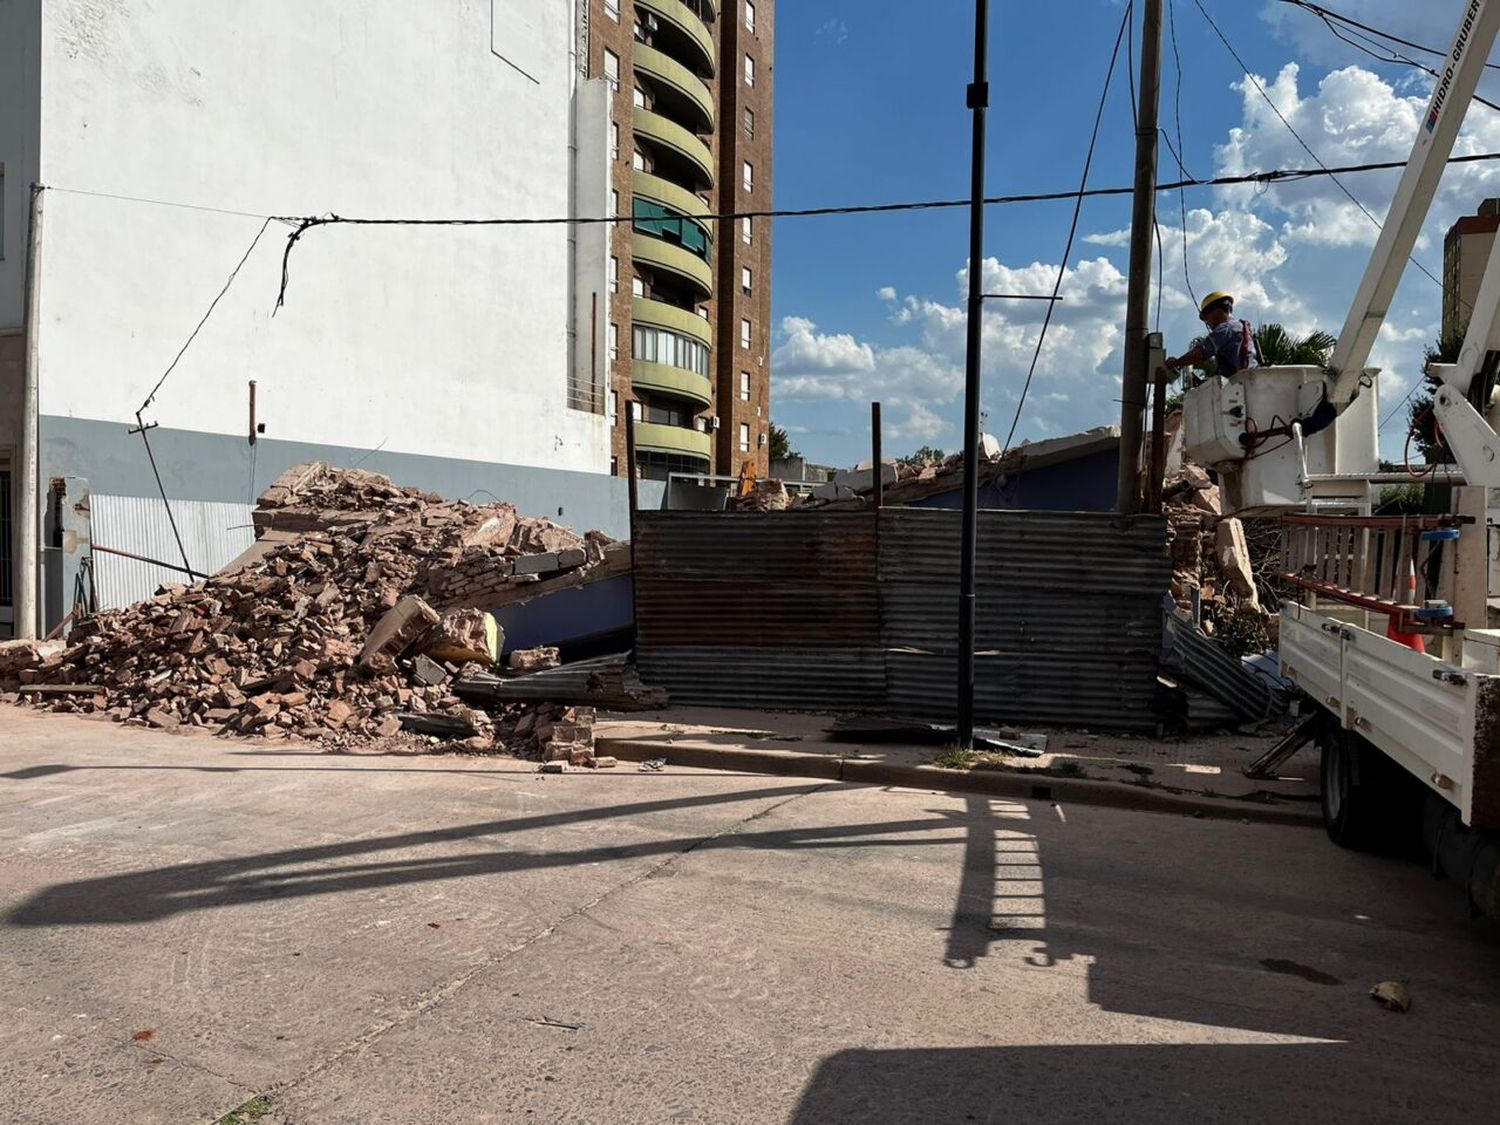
29, 517
1138, 299
978, 101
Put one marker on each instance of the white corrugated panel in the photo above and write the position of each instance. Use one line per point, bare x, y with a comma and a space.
212, 533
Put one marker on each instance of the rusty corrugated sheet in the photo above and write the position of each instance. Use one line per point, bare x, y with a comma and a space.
817, 609
1068, 611
748, 609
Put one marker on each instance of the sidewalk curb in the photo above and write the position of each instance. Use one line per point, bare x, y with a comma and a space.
1014, 784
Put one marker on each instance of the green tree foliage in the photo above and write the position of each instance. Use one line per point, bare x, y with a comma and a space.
781, 444
923, 455
1419, 415
1279, 348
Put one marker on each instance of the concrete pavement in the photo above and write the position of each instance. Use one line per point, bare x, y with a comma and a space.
190, 923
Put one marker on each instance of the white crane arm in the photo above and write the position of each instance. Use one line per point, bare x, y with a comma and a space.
1457, 80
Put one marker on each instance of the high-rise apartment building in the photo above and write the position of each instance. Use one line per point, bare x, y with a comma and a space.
1466, 250
690, 304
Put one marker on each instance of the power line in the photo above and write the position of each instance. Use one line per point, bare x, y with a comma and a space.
1328, 14
1345, 31
1254, 81
1269, 178
1083, 183
1187, 279
234, 273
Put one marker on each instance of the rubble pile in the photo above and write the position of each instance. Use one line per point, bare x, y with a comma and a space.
1211, 559
346, 623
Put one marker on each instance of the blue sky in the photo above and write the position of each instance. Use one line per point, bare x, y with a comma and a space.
870, 108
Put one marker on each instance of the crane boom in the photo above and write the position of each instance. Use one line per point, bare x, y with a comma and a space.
1436, 134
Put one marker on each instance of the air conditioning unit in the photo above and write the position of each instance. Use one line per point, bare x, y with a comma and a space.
762, 440
713, 423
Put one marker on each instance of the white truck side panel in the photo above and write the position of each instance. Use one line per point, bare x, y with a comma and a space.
1418, 710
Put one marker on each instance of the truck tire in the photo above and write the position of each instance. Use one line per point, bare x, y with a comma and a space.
1369, 802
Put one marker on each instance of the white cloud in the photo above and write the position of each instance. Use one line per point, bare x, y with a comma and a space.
817, 367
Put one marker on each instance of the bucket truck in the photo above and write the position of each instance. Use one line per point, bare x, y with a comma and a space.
1391, 640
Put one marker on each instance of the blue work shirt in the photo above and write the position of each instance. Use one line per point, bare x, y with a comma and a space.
1231, 345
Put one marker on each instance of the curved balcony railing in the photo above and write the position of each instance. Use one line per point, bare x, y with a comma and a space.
683, 264
686, 21
653, 437
666, 70
667, 133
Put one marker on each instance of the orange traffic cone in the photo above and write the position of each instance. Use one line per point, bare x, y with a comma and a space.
1412, 641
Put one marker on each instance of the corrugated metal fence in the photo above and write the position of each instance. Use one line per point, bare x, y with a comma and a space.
831, 610
213, 533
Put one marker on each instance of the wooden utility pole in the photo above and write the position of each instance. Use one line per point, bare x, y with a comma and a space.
1138, 299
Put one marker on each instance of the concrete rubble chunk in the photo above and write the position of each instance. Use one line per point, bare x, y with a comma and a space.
534, 659
464, 635
1234, 559
396, 632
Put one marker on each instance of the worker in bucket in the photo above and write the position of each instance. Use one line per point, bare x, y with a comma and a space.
1230, 342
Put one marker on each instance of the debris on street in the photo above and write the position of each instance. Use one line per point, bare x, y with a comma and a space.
1392, 995
350, 622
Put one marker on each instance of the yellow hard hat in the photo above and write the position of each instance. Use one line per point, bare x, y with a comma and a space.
1213, 299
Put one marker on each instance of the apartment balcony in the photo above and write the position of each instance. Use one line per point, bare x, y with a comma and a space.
646, 186
673, 137
670, 258
679, 84
688, 26
652, 437
659, 314
675, 382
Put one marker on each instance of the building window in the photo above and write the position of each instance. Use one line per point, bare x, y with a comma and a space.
614, 204
747, 230
637, 287
614, 140
612, 9
746, 277
745, 334
614, 408
744, 386
665, 223
612, 69
657, 345
749, 176
749, 15
749, 71
744, 437
750, 123
614, 344
614, 275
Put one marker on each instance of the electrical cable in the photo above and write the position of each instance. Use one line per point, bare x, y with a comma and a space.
1177, 152
1254, 81
234, 273
1136, 124
1275, 176
1062, 269
1371, 48
1328, 13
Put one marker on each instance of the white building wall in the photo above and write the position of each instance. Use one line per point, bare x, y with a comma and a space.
444, 342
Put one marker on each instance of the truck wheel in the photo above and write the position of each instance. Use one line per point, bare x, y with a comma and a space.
1368, 802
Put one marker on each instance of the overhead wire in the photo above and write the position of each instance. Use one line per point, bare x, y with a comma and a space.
1135, 122
1329, 13
1180, 149
1256, 82
1062, 269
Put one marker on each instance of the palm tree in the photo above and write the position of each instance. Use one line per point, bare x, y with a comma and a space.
1279, 348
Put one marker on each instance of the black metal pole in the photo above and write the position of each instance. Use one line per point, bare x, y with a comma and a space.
877, 458
978, 101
